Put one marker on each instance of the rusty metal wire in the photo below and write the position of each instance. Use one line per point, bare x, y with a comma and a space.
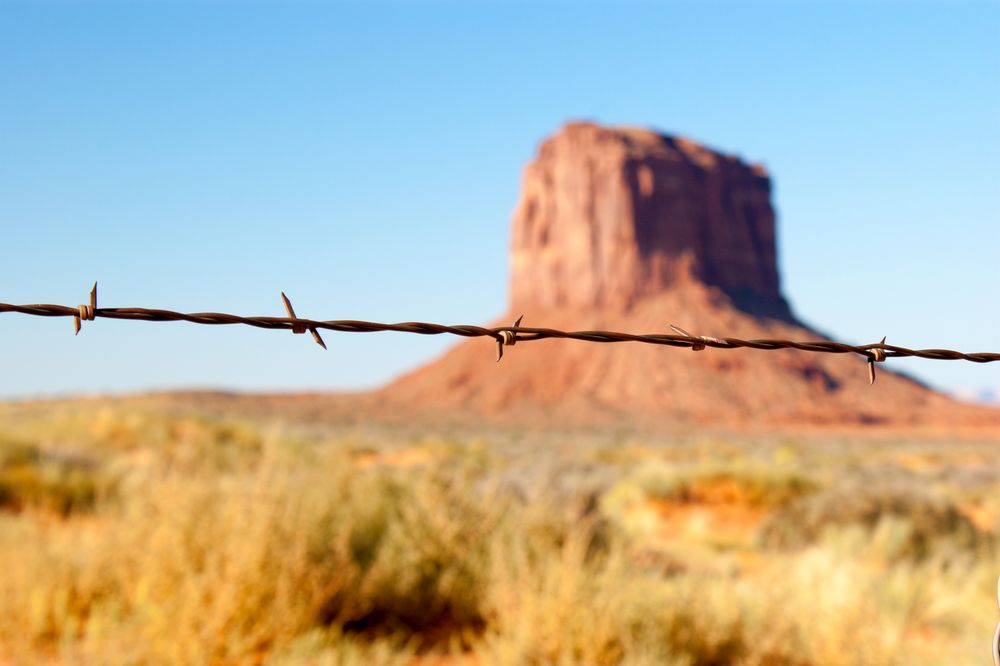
503, 335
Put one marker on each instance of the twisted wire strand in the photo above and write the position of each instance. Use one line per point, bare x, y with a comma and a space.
502, 334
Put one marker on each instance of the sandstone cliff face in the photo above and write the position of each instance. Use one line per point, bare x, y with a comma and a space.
608, 216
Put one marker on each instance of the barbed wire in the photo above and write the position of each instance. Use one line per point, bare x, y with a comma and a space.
505, 336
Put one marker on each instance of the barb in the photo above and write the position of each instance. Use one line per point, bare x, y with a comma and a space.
703, 338
508, 338
877, 356
85, 312
302, 329
503, 335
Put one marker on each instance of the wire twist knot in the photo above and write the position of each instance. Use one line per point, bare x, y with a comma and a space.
507, 338
876, 355
702, 339
85, 312
298, 327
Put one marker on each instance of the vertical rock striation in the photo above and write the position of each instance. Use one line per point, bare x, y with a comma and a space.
608, 216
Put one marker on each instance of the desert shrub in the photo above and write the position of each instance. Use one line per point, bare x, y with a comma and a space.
565, 605
194, 442
326, 648
210, 568
923, 521
186, 439
57, 482
550, 602
745, 483
421, 550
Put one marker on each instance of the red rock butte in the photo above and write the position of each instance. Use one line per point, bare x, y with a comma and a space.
609, 216
632, 230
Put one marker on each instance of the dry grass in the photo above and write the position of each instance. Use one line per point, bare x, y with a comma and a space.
220, 543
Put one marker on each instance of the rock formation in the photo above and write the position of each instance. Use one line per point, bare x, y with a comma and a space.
609, 216
631, 230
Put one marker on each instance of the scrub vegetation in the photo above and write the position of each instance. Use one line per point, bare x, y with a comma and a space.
134, 535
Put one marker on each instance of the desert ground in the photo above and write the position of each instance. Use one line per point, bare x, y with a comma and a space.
166, 530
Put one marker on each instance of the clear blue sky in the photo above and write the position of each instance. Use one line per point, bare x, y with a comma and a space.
365, 158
